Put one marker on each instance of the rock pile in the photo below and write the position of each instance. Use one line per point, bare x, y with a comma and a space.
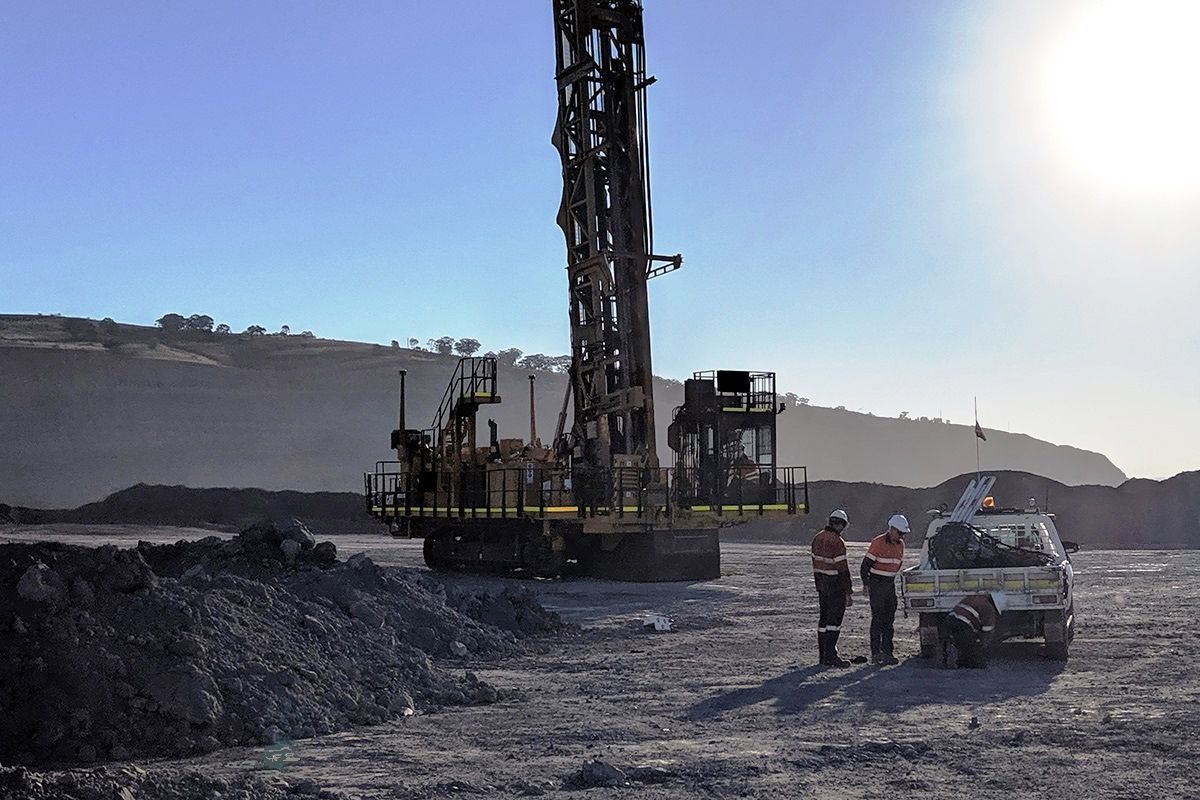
134, 783
184, 648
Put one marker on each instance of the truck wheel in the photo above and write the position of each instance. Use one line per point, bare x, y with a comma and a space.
1056, 623
1057, 651
929, 635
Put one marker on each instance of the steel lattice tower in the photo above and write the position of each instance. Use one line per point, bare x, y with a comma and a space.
606, 218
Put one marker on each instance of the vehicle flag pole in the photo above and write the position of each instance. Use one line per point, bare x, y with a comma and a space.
978, 437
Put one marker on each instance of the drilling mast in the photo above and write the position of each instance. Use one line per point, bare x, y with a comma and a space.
597, 502
606, 219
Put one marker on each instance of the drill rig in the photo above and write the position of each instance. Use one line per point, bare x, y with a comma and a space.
597, 501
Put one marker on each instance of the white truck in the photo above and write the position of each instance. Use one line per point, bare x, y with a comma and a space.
986, 550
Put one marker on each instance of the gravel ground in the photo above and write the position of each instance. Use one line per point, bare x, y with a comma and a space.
730, 704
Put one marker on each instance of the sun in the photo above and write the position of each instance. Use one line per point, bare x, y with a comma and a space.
1121, 95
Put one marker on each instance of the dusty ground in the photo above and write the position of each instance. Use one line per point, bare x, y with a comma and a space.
731, 706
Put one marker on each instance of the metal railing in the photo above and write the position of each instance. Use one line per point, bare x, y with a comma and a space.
474, 381
547, 491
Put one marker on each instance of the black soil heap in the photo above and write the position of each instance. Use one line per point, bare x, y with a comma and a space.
178, 649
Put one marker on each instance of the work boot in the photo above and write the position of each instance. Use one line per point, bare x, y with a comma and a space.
888, 660
821, 648
832, 658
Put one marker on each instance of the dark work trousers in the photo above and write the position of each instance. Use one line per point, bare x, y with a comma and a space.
831, 600
883, 615
972, 650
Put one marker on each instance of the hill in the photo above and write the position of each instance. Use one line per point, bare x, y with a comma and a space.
1139, 513
1136, 514
89, 408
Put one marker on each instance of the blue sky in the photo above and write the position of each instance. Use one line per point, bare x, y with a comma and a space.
862, 194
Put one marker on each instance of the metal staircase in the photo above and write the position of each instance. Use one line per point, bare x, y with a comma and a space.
472, 385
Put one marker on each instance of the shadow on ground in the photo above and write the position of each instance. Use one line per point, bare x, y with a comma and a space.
1016, 670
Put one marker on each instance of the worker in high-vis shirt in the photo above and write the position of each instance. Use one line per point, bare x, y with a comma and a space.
831, 571
971, 628
879, 568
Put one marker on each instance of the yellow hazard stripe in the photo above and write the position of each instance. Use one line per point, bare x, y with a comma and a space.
955, 584
748, 507
441, 511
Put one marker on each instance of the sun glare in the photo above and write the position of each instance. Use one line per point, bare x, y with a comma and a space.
1122, 95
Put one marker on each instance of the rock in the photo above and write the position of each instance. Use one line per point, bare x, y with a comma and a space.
364, 611
596, 774
650, 774
194, 571
403, 704
526, 789
459, 649
325, 553
87, 753
40, 584
296, 531
186, 646
130, 572
84, 594
291, 549
425, 638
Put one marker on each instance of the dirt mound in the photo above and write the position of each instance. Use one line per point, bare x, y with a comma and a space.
128, 783
184, 648
224, 509
1136, 514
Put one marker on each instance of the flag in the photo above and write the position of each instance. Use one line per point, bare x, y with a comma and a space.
979, 431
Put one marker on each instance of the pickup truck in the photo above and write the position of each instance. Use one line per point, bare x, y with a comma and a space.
1011, 551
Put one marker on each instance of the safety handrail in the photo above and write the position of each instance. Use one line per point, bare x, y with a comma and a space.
533, 489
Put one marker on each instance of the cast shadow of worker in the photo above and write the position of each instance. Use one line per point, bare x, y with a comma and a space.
1016, 670
784, 689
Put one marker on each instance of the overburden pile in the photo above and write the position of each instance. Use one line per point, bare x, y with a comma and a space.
134, 783
170, 650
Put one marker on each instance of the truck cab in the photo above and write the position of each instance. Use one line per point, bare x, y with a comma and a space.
1015, 552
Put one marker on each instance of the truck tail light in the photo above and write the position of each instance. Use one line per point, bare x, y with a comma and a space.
921, 603
1045, 598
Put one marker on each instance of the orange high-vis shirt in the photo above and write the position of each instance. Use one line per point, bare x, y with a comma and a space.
886, 558
829, 555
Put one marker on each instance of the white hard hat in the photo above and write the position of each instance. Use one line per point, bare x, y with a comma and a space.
839, 514
1000, 600
899, 522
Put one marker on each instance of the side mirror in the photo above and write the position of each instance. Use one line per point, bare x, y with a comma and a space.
1070, 547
